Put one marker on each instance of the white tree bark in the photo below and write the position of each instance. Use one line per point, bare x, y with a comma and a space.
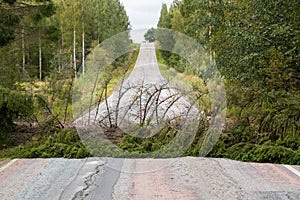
74, 50
23, 51
60, 65
40, 56
210, 35
83, 38
74, 41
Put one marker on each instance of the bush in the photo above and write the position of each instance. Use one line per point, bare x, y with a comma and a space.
63, 143
14, 105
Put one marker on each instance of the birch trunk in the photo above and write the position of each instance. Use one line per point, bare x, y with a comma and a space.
74, 50
210, 35
83, 38
40, 56
60, 66
23, 51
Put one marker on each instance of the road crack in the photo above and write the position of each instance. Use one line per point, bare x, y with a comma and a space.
89, 183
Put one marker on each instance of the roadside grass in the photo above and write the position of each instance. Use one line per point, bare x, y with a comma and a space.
4, 161
108, 80
178, 80
54, 89
122, 72
251, 134
186, 83
175, 78
66, 143
239, 141
48, 140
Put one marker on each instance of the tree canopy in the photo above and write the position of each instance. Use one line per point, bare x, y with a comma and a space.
43, 44
255, 45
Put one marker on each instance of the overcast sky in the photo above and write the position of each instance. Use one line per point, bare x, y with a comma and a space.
144, 13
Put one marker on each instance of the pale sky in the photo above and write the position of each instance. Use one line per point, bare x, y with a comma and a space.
144, 14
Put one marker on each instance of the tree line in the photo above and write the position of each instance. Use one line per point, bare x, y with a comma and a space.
43, 45
40, 36
255, 46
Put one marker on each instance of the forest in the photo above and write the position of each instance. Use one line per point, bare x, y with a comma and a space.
43, 46
254, 44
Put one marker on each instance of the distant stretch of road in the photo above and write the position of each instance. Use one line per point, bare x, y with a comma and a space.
144, 92
185, 179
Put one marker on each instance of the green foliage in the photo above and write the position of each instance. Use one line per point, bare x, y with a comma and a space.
63, 143
13, 106
273, 112
164, 19
48, 33
263, 126
251, 41
45, 11
12, 14
256, 48
7, 24
150, 144
194, 148
266, 153
165, 143
150, 35
10, 2
259, 43
178, 63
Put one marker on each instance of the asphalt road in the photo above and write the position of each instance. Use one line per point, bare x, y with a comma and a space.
147, 179
144, 93
183, 178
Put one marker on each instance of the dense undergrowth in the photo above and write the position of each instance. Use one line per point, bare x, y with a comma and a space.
35, 120
58, 143
262, 126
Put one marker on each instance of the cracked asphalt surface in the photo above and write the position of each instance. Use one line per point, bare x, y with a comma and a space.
185, 178
180, 178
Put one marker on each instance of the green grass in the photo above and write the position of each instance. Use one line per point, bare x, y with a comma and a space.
178, 80
118, 74
239, 140
185, 83
113, 75
62, 142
